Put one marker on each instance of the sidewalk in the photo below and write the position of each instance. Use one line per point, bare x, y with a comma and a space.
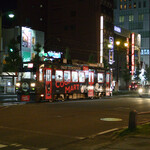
138, 142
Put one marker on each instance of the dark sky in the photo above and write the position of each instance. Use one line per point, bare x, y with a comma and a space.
7, 5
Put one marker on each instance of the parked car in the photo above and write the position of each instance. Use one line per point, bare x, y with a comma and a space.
144, 91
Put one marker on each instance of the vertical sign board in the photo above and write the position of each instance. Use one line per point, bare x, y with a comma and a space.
101, 38
111, 51
107, 84
128, 53
132, 54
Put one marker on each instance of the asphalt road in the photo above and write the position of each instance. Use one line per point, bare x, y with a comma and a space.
65, 125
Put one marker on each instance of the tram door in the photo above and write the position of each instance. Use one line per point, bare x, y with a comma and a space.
48, 83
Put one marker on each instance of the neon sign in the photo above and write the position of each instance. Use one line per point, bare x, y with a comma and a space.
117, 29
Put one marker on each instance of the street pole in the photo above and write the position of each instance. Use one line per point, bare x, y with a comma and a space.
0, 42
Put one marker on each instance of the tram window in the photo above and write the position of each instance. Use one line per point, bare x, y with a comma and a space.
81, 76
67, 76
91, 77
48, 75
59, 75
100, 77
74, 76
107, 78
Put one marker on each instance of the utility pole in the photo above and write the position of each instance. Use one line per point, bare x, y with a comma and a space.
0, 42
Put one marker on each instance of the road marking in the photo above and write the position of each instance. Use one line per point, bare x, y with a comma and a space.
43, 149
104, 132
110, 119
2, 146
16, 145
3, 107
24, 149
43, 133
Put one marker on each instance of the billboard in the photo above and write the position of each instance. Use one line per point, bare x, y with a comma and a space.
29, 38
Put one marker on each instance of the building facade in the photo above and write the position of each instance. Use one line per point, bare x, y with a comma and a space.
76, 25
135, 16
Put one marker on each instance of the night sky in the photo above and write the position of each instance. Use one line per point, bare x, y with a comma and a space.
7, 5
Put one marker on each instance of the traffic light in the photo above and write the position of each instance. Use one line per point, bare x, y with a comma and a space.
11, 50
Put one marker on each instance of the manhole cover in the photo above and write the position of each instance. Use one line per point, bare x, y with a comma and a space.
110, 119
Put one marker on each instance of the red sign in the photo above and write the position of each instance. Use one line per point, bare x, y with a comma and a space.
85, 68
90, 91
25, 98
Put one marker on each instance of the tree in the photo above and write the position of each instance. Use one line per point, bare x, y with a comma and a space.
137, 72
13, 60
126, 76
37, 59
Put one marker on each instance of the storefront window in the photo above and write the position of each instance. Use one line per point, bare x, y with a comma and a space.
100, 77
81, 76
67, 76
59, 75
74, 76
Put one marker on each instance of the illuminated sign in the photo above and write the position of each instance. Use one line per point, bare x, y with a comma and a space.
54, 54
30, 65
101, 38
128, 53
132, 55
111, 51
117, 29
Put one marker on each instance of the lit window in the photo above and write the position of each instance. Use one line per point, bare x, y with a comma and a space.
134, 5
74, 76
100, 77
121, 19
141, 17
125, 6
41, 19
41, 6
81, 76
125, 0
59, 75
131, 18
120, 0
130, 6
67, 76
121, 6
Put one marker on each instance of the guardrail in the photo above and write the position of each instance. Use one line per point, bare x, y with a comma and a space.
133, 118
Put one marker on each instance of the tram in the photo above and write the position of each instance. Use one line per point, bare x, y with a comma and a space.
55, 81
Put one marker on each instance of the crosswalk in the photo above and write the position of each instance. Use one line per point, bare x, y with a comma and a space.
16, 146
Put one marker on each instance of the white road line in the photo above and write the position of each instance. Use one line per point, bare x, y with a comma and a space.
24, 149
43, 149
2, 146
43, 133
16, 144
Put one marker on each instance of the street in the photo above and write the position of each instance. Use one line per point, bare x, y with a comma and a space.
64, 125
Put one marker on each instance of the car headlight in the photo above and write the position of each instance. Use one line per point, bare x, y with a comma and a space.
140, 90
17, 84
32, 84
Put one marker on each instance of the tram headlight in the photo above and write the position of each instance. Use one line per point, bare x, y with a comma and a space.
140, 90
17, 84
32, 84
